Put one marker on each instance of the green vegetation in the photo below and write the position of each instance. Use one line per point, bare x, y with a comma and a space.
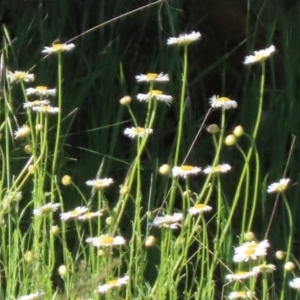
121, 178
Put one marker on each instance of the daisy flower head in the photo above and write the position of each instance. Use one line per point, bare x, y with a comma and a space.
168, 221
250, 250
156, 95
151, 77
199, 208
37, 295
223, 168
184, 39
45, 209
41, 91
264, 268
19, 76
30, 104
240, 295
80, 210
185, 170
113, 284
240, 275
90, 215
137, 132
100, 184
295, 283
224, 102
259, 55
46, 109
22, 132
278, 187
58, 48
106, 240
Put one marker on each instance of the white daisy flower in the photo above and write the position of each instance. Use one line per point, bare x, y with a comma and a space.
90, 215
150, 77
278, 186
268, 268
58, 48
259, 55
19, 76
168, 221
251, 250
46, 109
22, 132
240, 275
199, 208
224, 102
80, 210
184, 39
45, 209
41, 90
100, 184
113, 284
137, 132
241, 295
106, 241
223, 168
157, 95
37, 295
185, 170
295, 283
30, 104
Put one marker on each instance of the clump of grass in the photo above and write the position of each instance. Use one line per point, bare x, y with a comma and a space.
172, 230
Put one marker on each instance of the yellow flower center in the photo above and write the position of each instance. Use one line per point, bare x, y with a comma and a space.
20, 75
186, 168
58, 46
240, 274
151, 76
250, 249
112, 282
46, 108
139, 130
223, 99
41, 88
259, 57
241, 294
217, 169
200, 206
73, 213
168, 220
155, 93
107, 240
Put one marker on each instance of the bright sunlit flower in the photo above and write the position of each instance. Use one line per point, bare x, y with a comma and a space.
199, 208
268, 268
137, 132
168, 221
20, 76
217, 169
224, 102
259, 55
37, 295
240, 295
150, 77
45, 209
278, 186
41, 90
90, 215
113, 284
106, 241
30, 104
295, 283
185, 170
184, 39
240, 275
58, 48
46, 109
22, 132
157, 95
250, 250
80, 210
100, 184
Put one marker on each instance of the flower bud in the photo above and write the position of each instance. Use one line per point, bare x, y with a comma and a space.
150, 241
213, 129
230, 140
289, 266
66, 180
238, 131
164, 169
125, 100
63, 270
